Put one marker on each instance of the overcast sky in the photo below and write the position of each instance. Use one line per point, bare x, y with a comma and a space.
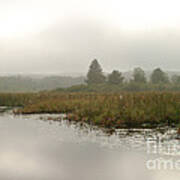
66, 35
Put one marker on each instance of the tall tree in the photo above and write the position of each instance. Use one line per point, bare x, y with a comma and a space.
115, 77
95, 73
158, 76
139, 75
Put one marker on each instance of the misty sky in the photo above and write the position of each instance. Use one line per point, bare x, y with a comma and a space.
65, 35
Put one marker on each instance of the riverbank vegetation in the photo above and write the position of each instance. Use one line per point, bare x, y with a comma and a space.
107, 110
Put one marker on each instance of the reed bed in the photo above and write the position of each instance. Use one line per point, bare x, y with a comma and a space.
107, 110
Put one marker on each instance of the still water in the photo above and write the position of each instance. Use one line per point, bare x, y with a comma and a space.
33, 149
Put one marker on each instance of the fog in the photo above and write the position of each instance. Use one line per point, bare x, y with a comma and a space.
65, 36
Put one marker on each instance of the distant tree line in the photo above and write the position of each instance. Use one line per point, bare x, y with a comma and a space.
33, 84
159, 80
96, 80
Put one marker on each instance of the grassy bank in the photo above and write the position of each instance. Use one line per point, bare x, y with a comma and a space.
16, 99
118, 110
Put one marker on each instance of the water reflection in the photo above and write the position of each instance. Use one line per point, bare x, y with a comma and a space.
32, 149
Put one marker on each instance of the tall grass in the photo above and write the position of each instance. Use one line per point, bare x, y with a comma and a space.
143, 109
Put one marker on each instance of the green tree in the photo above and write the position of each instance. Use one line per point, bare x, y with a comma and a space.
95, 74
158, 76
115, 77
139, 75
